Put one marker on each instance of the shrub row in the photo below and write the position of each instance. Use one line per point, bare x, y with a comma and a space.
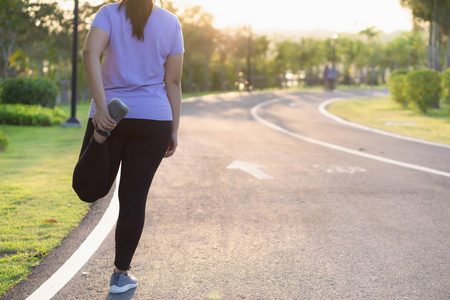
3, 141
397, 86
2, 81
446, 86
421, 88
29, 91
19, 114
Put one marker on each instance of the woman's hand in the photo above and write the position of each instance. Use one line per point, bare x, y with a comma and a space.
173, 145
103, 120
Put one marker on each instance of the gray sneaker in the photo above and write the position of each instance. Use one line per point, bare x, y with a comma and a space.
120, 283
117, 110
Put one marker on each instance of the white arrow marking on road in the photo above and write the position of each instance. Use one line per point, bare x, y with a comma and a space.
250, 168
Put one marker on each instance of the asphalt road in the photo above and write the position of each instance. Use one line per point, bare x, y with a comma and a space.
302, 221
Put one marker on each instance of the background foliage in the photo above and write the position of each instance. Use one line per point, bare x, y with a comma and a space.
3, 141
36, 42
20, 114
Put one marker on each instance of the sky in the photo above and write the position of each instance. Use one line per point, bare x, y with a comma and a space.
333, 15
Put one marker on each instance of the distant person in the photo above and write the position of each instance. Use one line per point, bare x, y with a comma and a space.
142, 48
332, 77
326, 74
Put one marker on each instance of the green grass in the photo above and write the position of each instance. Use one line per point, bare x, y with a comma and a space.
377, 112
35, 190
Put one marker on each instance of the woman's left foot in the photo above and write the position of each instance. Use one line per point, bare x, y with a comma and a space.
117, 110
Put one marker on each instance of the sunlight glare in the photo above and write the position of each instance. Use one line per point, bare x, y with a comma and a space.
338, 16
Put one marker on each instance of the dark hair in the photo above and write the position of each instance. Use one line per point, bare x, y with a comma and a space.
138, 12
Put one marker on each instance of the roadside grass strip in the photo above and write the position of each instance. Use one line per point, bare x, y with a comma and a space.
38, 207
80, 257
384, 114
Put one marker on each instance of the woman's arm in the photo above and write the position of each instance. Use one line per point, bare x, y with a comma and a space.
172, 79
96, 42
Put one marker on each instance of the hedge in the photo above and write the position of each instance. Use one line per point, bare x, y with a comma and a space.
423, 88
19, 114
29, 91
2, 81
397, 86
3, 141
445, 84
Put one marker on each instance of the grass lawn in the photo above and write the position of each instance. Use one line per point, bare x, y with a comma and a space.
385, 114
38, 206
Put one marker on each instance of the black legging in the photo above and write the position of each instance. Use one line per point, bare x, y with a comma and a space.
140, 145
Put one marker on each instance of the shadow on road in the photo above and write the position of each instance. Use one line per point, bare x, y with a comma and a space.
125, 296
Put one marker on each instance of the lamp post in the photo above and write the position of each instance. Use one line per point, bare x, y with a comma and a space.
73, 121
249, 60
334, 37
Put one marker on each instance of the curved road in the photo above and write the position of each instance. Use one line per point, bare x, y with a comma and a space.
247, 211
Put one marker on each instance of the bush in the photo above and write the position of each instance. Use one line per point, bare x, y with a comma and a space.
445, 84
19, 114
2, 81
29, 91
423, 88
3, 141
397, 86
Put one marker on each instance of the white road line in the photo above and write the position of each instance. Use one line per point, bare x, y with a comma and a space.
254, 113
325, 112
79, 258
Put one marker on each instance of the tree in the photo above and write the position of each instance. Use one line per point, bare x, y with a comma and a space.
350, 50
287, 57
372, 53
437, 13
313, 53
60, 54
406, 51
22, 21
199, 41
370, 33
260, 50
14, 22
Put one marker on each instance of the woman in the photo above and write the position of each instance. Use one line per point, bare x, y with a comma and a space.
142, 48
